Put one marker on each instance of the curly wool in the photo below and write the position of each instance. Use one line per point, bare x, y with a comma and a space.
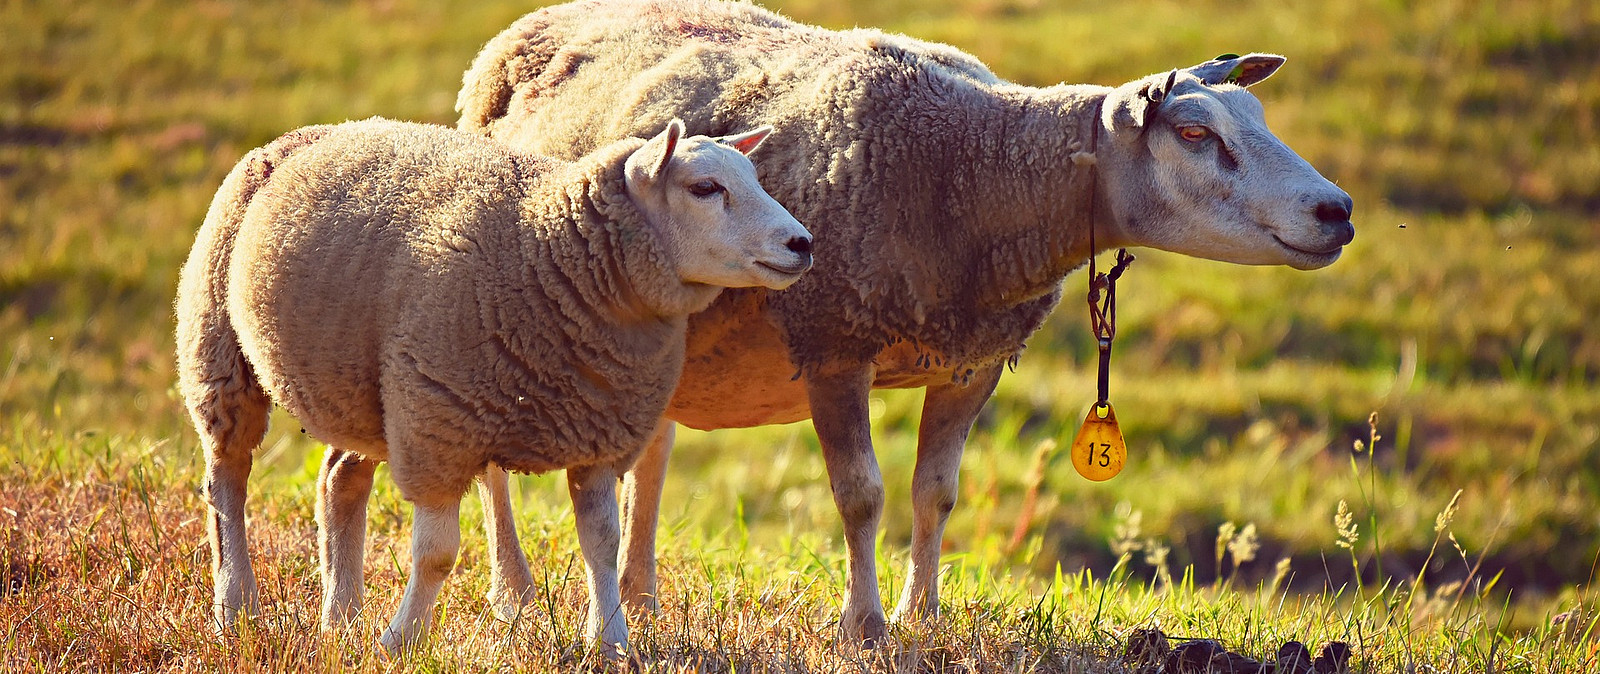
411, 284
944, 205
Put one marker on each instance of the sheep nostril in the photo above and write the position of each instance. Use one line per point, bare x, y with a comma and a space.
1347, 233
1333, 212
800, 245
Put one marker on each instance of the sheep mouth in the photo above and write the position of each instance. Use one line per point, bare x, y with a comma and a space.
1306, 258
783, 270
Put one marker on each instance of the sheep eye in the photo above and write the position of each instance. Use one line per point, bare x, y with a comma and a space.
1194, 134
705, 188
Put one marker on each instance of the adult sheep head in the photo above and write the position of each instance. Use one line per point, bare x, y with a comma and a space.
717, 223
1188, 165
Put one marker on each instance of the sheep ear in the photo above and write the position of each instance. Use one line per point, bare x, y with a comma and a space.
1235, 69
1129, 106
669, 140
1156, 93
747, 142
1140, 108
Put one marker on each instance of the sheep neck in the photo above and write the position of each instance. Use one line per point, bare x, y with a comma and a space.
985, 214
585, 319
1044, 190
607, 251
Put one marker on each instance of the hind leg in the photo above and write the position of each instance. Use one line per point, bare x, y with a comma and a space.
947, 416
641, 508
343, 487
229, 433
510, 581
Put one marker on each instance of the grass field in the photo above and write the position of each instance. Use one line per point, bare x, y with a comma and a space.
1466, 316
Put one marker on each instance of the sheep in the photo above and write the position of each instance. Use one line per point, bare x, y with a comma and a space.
425, 296
948, 206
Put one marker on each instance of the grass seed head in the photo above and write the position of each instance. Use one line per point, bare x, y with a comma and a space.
1345, 522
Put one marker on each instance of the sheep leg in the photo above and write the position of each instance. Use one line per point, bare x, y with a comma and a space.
839, 415
233, 581
343, 487
641, 507
948, 411
510, 581
435, 539
594, 502
233, 422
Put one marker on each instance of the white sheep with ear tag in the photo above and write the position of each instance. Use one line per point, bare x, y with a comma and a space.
948, 204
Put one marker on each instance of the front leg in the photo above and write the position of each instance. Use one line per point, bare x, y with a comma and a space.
641, 510
510, 581
343, 487
948, 411
594, 504
838, 399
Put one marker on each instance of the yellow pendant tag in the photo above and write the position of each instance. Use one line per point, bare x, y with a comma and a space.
1098, 452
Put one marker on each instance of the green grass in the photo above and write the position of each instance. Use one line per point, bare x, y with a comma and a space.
1465, 315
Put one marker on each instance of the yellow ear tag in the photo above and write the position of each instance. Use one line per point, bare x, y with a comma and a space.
1098, 452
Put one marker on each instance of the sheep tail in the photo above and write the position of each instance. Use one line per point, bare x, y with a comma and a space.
228, 404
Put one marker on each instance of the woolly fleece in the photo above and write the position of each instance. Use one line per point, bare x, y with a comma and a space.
944, 212
423, 295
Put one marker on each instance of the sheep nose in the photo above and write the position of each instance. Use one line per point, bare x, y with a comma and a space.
1334, 214
1334, 210
800, 245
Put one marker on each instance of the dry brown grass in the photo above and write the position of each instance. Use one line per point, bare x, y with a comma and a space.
108, 572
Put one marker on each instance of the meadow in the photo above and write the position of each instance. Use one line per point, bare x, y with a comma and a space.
1399, 451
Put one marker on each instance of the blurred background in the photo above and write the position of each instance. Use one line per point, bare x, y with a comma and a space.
1465, 317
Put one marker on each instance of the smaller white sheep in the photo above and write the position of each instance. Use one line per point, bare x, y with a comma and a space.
425, 296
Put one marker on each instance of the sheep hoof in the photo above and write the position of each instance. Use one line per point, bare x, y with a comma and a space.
643, 603
225, 619
391, 643
640, 594
512, 612
509, 606
397, 639
614, 652
874, 632
869, 630
506, 611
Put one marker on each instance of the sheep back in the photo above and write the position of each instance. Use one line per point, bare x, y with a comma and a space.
410, 284
874, 134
